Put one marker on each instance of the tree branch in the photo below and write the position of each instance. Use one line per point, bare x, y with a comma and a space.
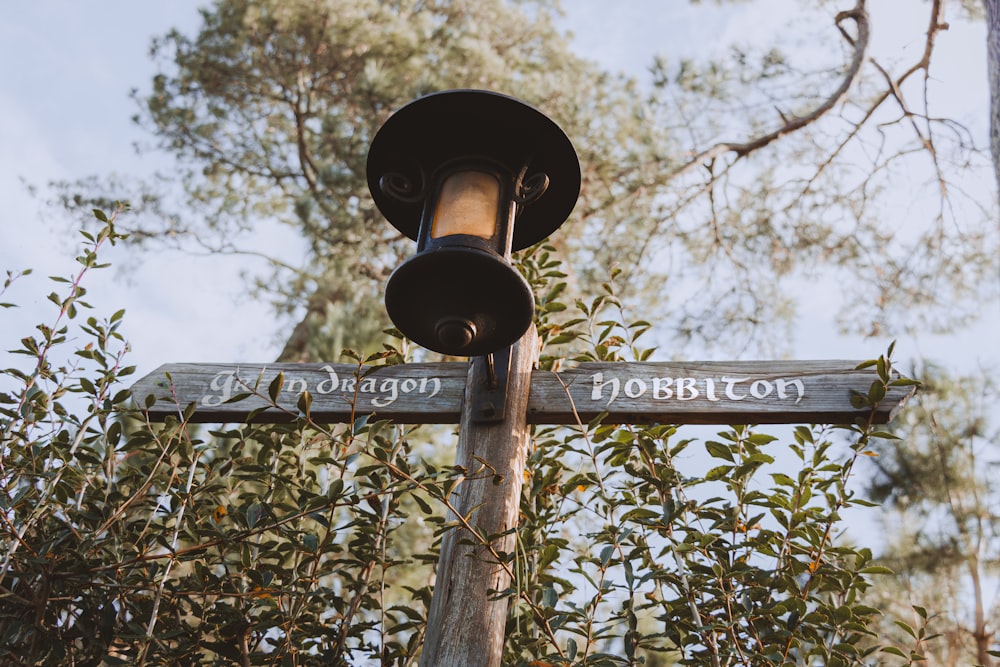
741, 149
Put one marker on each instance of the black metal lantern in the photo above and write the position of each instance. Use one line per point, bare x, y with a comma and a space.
470, 175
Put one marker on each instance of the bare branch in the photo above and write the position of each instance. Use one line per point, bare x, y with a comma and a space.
741, 149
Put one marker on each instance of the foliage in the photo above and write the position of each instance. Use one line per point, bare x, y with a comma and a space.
270, 109
139, 543
732, 179
938, 483
128, 542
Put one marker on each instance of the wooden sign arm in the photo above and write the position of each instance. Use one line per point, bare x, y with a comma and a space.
747, 392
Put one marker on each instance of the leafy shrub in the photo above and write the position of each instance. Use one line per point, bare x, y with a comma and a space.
141, 543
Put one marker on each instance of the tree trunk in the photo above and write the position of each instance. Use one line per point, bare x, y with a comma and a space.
980, 632
993, 55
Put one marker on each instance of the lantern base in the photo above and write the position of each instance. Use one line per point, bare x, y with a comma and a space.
459, 301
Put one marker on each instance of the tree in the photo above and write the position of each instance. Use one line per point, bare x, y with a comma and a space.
993, 50
943, 527
731, 180
270, 110
128, 542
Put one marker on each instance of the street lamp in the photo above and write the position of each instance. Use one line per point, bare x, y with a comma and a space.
470, 175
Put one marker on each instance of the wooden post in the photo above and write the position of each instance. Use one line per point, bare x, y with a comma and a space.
465, 625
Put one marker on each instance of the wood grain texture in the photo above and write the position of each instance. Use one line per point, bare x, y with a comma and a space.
757, 392
407, 393
466, 621
720, 392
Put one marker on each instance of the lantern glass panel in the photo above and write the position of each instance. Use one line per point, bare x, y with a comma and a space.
468, 204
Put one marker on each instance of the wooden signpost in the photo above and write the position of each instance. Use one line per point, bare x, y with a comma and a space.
494, 406
453, 171
711, 392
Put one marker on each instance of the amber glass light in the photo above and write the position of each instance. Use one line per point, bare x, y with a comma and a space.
467, 205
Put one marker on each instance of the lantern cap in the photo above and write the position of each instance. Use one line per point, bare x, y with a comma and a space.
442, 127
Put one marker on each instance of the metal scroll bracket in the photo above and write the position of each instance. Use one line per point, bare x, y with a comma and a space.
489, 386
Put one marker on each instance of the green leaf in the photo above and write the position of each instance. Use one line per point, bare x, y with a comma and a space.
876, 393
782, 479
359, 424
304, 403
254, 513
906, 628
422, 504
719, 451
761, 439
274, 389
640, 514
882, 369
549, 554
563, 338
892, 650
719, 472
606, 553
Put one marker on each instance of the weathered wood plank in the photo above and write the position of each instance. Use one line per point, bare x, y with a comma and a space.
708, 392
720, 392
407, 393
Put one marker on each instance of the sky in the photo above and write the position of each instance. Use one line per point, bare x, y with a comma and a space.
66, 69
